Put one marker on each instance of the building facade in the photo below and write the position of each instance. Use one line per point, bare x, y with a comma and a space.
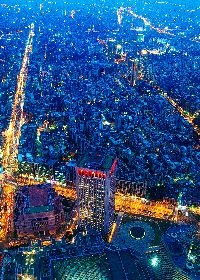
96, 195
39, 210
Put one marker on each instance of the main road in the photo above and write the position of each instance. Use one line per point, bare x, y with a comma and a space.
13, 133
159, 30
11, 143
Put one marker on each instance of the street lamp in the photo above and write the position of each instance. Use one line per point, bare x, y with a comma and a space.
154, 261
27, 277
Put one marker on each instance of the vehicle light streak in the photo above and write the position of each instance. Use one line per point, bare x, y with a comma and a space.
13, 133
11, 143
147, 22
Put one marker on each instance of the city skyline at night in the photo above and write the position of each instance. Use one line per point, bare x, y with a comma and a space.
99, 140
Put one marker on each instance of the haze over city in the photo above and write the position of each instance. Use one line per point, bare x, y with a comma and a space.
99, 139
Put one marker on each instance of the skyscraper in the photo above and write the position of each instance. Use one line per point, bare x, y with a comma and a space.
95, 185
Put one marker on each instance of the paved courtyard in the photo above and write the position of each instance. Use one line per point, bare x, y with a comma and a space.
124, 239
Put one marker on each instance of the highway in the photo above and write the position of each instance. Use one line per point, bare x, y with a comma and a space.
159, 30
147, 22
11, 143
186, 115
13, 133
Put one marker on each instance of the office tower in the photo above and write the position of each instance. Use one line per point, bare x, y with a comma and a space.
95, 185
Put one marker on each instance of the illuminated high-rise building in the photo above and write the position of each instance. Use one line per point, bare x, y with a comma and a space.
95, 185
119, 15
132, 73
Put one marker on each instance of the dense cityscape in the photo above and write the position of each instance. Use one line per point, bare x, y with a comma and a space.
99, 140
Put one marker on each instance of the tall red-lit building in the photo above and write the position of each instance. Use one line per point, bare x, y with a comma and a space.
95, 186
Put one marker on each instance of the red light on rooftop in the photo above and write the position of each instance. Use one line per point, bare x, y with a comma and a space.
1, 258
113, 166
90, 173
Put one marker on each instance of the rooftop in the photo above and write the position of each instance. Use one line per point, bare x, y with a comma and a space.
38, 196
39, 209
96, 161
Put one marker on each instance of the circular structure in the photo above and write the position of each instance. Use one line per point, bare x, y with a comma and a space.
174, 234
134, 234
137, 232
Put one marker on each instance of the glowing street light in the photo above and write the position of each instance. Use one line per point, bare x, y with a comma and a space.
154, 261
27, 277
